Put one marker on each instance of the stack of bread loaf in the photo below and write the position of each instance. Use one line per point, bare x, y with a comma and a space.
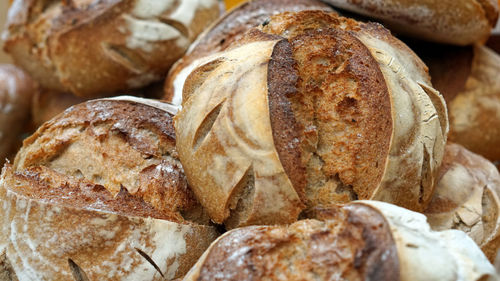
295, 140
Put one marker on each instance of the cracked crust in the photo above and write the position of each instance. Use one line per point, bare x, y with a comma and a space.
228, 30
394, 143
103, 183
446, 21
363, 240
466, 198
128, 44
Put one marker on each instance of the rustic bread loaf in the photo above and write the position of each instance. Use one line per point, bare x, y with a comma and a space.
468, 79
228, 29
126, 44
16, 90
460, 22
99, 192
466, 198
328, 110
364, 240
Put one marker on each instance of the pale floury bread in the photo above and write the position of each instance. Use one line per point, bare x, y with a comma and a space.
314, 109
91, 47
99, 192
460, 22
16, 91
228, 29
466, 198
364, 240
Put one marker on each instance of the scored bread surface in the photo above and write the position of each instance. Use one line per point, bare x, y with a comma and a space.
128, 44
103, 185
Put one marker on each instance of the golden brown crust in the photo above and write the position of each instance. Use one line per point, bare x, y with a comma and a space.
230, 29
128, 44
47, 104
354, 244
117, 144
447, 21
100, 192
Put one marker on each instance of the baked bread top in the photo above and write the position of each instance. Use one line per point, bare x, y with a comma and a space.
128, 44
98, 193
226, 30
364, 240
461, 22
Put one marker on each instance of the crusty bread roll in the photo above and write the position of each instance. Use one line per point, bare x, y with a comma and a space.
92, 48
16, 90
460, 22
468, 78
99, 192
315, 109
466, 198
365, 240
228, 29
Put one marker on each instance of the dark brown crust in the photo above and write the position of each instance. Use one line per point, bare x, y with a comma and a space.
449, 66
281, 82
231, 28
354, 243
43, 184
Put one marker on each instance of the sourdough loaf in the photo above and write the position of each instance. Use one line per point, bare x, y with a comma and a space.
468, 79
461, 22
127, 44
98, 193
228, 29
313, 109
364, 240
16, 91
466, 198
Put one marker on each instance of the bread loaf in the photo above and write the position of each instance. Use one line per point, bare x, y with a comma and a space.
98, 193
16, 90
364, 240
468, 79
127, 44
315, 108
466, 198
460, 22
228, 29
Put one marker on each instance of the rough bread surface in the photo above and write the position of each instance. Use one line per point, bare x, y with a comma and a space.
460, 22
389, 124
363, 240
98, 193
128, 44
466, 198
355, 114
224, 32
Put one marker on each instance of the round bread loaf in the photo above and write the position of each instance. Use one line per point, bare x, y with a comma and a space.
315, 109
460, 22
228, 29
127, 44
98, 193
16, 90
466, 198
468, 79
364, 240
